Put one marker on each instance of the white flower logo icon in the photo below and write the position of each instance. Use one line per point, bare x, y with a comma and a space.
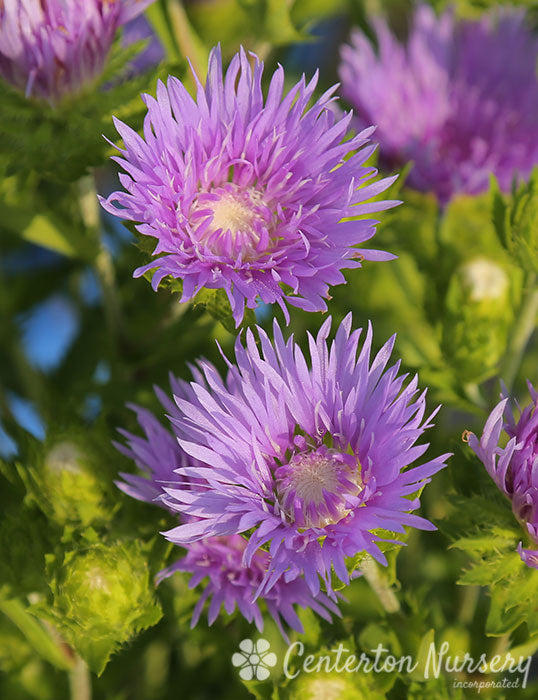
254, 659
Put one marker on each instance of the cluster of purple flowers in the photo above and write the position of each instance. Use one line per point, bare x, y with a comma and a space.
289, 467
285, 469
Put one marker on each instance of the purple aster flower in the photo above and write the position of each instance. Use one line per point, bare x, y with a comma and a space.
245, 195
310, 462
233, 584
51, 48
230, 583
459, 99
514, 468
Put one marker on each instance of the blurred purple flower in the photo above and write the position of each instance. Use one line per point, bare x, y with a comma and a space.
311, 462
230, 583
514, 468
51, 48
137, 30
247, 196
459, 99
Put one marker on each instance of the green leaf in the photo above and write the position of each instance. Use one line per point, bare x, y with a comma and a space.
515, 220
35, 633
419, 673
501, 618
485, 528
40, 230
271, 20
279, 27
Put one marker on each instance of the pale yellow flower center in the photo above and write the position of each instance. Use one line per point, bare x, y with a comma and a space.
312, 474
229, 214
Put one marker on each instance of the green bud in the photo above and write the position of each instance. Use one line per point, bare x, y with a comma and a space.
483, 280
102, 596
458, 640
325, 687
478, 314
74, 490
334, 686
70, 481
335, 673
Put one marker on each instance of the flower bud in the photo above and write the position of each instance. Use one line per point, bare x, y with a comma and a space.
71, 485
102, 596
477, 318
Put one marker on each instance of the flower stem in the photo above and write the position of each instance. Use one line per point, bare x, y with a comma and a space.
102, 262
379, 584
188, 42
469, 602
472, 392
80, 683
521, 333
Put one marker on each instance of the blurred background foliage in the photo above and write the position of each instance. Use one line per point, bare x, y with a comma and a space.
79, 338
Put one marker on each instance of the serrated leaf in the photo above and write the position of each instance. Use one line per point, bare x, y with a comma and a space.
515, 221
502, 620
492, 571
498, 539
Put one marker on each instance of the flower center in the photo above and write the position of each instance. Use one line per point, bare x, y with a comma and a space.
232, 221
319, 488
230, 214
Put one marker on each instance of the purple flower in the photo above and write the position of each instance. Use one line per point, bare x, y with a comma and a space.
309, 462
248, 196
459, 100
233, 584
51, 48
514, 468
220, 559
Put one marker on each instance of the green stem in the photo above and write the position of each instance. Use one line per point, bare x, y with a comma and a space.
104, 268
188, 42
102, 263
469, 602
380, 586
501, 645
521, 333
80, 682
